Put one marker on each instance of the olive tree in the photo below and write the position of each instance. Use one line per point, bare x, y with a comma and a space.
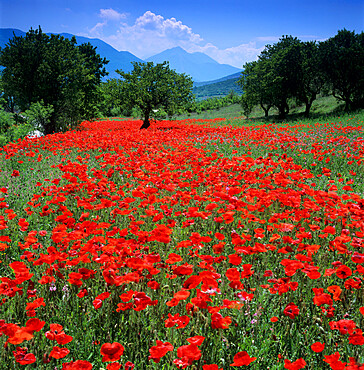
151, 87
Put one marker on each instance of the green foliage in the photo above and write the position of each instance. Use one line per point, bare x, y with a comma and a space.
39, 115
342, 59
214, 103
217, 89
54, 70
112, 98
6, 120
153, 87
255, 83
292, 70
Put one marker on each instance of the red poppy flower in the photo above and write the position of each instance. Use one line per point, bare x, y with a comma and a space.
291, 310
334, 362
220, 322
343, 272
357, 338
318, 347
298, 364
77, 365
22, 357
160, 350
211, 367
35, 324
197, 339
189, 353
242, 359
129, 366
58, 352
111, 351
180, 321
113, 366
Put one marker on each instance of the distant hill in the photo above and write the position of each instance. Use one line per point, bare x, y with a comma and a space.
202, 83
117, 59
217, 88
198, 65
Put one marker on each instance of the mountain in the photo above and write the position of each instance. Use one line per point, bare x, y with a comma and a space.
217, 88
198, 65
117, 59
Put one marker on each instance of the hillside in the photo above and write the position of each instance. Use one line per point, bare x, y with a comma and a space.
219, 88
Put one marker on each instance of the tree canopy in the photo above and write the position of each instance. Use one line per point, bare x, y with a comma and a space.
294, 70
52, 69
151, 87
343, 59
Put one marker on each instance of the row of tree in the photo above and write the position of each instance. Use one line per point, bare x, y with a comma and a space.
292, 69
59, 83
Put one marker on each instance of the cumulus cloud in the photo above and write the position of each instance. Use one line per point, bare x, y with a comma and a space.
152, 33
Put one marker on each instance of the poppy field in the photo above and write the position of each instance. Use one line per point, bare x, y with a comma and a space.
191, 245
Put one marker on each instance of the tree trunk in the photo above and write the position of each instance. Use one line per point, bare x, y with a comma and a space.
308, 103
281, 111
146, 122
266, 110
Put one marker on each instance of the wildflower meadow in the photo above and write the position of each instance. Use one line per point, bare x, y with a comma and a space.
195, 244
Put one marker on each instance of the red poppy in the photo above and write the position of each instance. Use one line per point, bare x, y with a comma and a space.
336, 291
160, 350
22, 356
318, 347
77, 365
113, 366
211, 367
220, 322
291, 310
197, 339
58, 352
343, 272
56, 333
334, 361
129, 366
296, 365
242, 359
111, 351
357, 338
189, 353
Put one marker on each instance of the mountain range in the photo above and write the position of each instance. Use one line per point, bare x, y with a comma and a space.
198, 65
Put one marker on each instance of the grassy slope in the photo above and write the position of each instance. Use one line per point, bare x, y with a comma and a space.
323, 106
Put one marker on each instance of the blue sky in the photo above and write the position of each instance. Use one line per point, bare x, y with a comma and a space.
230, 31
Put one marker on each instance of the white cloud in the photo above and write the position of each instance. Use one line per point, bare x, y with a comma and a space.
236, 56
111, 15
108, 15
152, 33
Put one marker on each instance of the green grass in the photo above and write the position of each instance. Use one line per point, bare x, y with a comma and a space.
322, 108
